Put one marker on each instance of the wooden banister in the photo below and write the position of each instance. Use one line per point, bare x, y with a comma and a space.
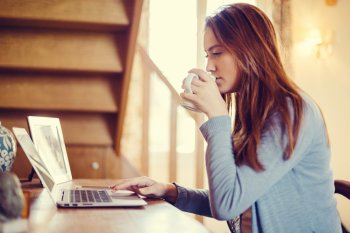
154, 68
150, 67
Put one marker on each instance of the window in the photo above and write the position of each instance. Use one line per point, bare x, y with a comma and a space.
173, 47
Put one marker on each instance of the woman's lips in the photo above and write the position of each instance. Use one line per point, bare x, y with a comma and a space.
218, 79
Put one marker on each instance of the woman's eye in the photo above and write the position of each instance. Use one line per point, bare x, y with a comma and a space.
213, 54
216, 53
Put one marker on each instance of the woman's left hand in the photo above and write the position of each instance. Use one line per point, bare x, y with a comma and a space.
206, 95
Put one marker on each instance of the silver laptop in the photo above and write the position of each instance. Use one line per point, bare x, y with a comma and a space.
66, 194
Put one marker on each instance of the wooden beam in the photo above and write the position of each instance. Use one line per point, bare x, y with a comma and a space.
132, 38
173, 141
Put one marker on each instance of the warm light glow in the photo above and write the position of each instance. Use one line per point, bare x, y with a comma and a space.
331, 2
322, 43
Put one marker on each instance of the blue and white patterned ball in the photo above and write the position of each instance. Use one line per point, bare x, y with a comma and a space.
8, 149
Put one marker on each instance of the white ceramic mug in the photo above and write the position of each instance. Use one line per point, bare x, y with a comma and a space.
187, 88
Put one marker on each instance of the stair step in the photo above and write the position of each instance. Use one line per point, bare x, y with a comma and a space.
79, 14
58, 50
86, 93
78, 129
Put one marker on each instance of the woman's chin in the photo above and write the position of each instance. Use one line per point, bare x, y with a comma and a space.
223, 91
226, 90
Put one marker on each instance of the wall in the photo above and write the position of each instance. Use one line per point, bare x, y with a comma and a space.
326, 78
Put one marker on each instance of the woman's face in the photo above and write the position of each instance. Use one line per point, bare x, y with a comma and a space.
221, 63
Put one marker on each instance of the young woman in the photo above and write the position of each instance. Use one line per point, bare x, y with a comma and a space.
271, 173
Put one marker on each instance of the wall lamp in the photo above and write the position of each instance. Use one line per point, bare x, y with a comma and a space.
322, 42
331, 2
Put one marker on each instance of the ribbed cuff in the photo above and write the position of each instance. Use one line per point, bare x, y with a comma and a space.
181, 195
177, 191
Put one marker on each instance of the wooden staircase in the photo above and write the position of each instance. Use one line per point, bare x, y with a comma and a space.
72, 60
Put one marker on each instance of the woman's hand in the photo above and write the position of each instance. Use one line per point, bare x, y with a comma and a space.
147, 187
206, 95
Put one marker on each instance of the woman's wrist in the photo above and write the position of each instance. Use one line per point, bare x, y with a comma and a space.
171, 193
217, 112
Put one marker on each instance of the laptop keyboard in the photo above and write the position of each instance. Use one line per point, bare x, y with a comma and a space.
82, 196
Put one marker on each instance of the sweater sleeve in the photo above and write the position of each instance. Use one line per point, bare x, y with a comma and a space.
193, 200
233, 189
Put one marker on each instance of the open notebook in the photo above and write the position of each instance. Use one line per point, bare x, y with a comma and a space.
72, 197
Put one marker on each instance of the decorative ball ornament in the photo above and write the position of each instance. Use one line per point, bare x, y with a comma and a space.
11, 197
8, 149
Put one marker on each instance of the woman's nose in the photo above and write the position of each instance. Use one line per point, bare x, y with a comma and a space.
210, 67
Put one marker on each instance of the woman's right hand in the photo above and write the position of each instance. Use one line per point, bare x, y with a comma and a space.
147, 187
206, 95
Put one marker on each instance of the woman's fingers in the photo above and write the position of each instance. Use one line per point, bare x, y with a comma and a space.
196, 82
133, 183
203, 75
195, 89
203, 78
148, 192
187, 96
141, 185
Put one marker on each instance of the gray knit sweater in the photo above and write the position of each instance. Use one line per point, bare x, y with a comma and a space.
295, 195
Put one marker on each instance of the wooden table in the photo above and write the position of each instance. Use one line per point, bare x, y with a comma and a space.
156, 217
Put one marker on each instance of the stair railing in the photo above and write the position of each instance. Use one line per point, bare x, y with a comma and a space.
150, 67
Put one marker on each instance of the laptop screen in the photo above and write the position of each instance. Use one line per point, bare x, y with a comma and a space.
51, 145
33, 156
48, 139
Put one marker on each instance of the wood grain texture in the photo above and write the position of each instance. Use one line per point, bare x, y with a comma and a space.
119, 166
157, 216
60, 50
78, 129
91, 93
71, 60
135, 15
80, 14
87, 161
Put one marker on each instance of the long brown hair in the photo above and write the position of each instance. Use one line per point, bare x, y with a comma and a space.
264, 87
